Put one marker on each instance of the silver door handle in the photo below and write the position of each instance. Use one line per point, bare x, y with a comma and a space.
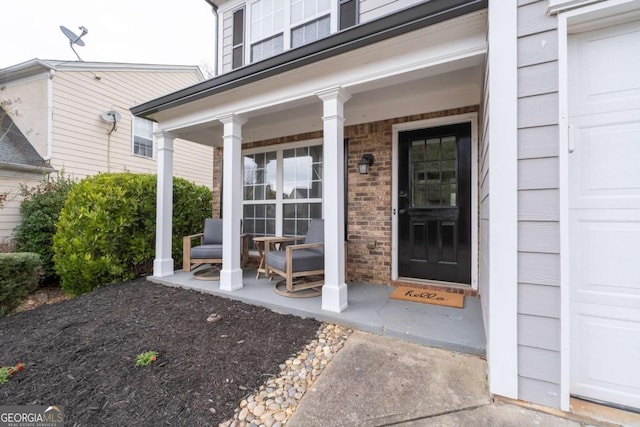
402, 211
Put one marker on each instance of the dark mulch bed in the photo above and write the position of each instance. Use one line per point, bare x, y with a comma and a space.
81, 354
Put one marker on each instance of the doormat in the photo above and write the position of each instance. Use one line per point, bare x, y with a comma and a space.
427, 296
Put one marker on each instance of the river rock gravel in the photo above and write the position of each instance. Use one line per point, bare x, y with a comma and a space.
277, 399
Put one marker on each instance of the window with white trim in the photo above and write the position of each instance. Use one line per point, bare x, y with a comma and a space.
142, 137
282, 189
273, 26
267, 26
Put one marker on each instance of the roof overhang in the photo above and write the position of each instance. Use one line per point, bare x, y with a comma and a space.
411, 19
38, 67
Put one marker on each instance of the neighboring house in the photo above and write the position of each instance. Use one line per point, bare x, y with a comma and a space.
54, 110
20, 163
506, 145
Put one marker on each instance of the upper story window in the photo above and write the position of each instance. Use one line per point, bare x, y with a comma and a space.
273, 26
267, 26
142, 137
237, 42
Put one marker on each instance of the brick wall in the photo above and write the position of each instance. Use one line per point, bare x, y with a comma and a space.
369, 196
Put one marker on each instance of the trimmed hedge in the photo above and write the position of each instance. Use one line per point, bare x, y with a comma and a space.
40, 210
19, 276
106, 231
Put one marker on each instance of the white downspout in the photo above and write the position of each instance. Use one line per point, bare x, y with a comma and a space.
52, 74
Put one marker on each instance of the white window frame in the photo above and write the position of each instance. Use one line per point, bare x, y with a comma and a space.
133, 137
279, 201
288, 25
248, 20
304, 21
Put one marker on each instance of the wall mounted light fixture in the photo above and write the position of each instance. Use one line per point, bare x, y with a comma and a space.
364, 163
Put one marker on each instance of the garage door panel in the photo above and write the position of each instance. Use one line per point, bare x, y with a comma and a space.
607, 76
609, 255
612, 343
609, 156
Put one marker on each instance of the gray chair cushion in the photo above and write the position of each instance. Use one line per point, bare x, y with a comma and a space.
212, 232
206, 251
315, 234
303, 260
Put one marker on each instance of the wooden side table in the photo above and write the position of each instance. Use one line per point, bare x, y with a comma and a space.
274, 241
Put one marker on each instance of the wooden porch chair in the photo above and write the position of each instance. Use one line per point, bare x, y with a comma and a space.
298, 264
209, 249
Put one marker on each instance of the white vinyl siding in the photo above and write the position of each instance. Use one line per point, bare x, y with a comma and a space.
227, 41
10, 182
80, 140
374, 9
538, 207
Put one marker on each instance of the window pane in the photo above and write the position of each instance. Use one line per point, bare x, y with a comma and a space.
309, 8
324, 28
433, 195
310, 32
449, 195
271, 227
289, 210
323, 5
297, 37
315, 210
417, 151
289, 227
417, 196
302, 210
449, 171
449, 148
316, 153
433, 149
296, 11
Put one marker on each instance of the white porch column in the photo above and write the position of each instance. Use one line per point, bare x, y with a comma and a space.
334, 291
231, 273
163, 262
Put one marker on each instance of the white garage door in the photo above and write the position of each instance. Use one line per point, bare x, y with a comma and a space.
604, 214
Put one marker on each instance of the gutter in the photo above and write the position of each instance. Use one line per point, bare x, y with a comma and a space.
26, 168
214, 10
404, 21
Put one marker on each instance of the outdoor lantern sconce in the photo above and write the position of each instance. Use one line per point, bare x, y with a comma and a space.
364, 163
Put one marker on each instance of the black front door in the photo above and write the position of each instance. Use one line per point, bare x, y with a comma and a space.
434, 204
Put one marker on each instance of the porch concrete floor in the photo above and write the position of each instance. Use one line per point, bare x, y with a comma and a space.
370, 309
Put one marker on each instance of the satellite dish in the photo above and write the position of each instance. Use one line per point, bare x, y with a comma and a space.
73, 38
111, 116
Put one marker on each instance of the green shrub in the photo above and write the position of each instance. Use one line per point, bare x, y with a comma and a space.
106, 231
40, 210
19, 276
